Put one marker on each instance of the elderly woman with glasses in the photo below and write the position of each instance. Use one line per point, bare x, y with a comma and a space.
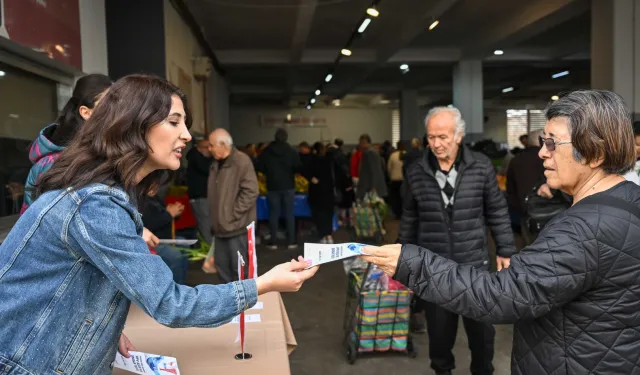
574, 294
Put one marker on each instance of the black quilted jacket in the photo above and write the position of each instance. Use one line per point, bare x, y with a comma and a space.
478, 204
574, 294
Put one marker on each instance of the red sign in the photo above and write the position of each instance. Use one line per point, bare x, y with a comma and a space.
48, 26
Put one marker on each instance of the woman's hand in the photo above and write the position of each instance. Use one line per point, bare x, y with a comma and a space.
314, 180
125, 345
150, 238
286, 277
385, 257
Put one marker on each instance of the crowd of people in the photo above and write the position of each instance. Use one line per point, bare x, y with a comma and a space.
81, 250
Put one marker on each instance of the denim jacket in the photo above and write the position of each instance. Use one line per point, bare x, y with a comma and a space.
68, 270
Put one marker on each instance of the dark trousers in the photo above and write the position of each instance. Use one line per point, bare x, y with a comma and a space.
226, 256
395, 198
323, 219
282, 200
442, 328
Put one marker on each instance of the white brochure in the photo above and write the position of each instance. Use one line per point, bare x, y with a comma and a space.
145, 363
325, 253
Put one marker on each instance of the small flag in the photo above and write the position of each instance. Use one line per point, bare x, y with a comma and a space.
241, 325
253, 259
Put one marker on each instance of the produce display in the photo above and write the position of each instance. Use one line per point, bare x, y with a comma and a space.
301, 183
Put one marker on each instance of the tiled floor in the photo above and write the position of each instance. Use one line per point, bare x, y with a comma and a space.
317, 312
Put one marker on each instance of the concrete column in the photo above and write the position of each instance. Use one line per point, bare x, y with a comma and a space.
468, 96
411, 125
615, 49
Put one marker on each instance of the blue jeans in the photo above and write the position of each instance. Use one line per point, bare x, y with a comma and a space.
277, 200
176, 260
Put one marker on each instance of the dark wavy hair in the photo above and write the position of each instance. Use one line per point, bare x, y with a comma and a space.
86, 92
113, 147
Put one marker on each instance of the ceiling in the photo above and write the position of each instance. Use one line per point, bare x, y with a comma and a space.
277, 52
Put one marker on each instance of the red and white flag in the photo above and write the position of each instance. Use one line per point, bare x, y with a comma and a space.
241, 325
253, 259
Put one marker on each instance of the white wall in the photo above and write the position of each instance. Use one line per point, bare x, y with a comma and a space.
496, 126
181, 48
344, 123
217, 102
93, 36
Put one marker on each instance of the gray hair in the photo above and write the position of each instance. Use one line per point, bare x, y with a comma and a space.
600, 127
457, 117
223, 137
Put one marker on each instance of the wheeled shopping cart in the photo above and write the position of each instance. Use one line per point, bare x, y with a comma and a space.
375, 320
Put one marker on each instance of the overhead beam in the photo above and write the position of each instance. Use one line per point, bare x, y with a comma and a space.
304, 20
409, 29
524, 23
370, 56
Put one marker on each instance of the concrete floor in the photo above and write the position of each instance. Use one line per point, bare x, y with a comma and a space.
317, 311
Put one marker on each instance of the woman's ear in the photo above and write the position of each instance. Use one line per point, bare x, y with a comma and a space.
85, 112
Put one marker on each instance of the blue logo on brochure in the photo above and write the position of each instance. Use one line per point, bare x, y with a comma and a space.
354, 247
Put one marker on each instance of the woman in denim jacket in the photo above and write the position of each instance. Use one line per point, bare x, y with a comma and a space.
75, 259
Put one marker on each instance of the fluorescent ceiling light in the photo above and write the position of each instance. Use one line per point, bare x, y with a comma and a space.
508, 89
561, 74
385, 101
498, 52
434, 24
373, 12
308, 107
346, 52
404, 66
2, 73
364, 25
328, 77
318, 92
555, 97
312, 101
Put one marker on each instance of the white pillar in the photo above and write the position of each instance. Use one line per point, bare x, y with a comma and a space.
411, 125
93, 36
615, 49
468, 96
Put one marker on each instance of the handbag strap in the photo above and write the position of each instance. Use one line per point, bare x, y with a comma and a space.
611, 201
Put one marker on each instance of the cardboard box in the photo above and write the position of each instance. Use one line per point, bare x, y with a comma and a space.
212, 350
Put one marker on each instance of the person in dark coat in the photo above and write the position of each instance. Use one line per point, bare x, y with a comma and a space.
451, 202
157, 217
280, 162
574, 293
320, 173
411, 156
200, 159
524, 172
372, 170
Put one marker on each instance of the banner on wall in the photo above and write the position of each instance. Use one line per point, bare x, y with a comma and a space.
270, 121
48, 26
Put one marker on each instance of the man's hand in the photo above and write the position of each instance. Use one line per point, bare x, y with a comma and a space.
545, 191
314, 181
503, 262
125, 345
150, 238
175, 209
385, 257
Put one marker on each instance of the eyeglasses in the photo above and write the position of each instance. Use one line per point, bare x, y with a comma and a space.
551, 143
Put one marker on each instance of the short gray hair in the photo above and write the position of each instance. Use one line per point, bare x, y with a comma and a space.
223, 137
457, 117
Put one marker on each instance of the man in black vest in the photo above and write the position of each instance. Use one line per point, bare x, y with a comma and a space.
451, 200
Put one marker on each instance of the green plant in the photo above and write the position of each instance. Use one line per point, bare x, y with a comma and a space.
199, 253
